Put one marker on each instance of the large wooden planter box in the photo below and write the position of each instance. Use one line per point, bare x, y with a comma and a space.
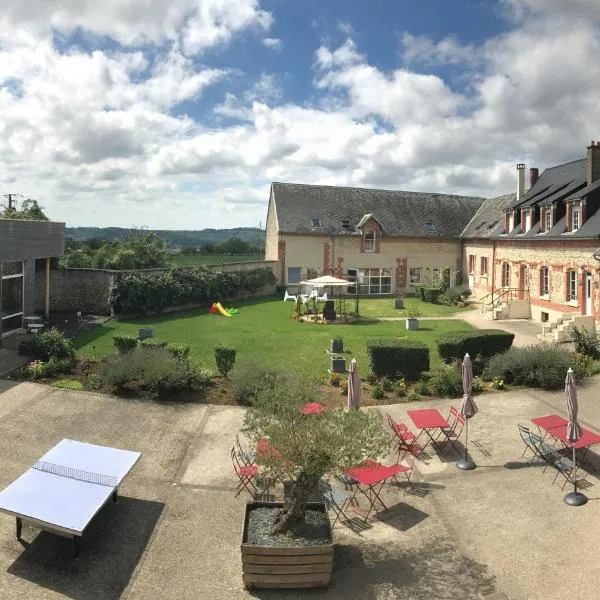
412, 324
337, 364
285, 567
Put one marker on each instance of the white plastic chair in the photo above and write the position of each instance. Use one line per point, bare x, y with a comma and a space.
287, 297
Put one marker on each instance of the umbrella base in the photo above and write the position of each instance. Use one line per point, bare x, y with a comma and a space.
465, 464
576, 499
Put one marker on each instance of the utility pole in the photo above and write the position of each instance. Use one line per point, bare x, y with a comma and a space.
12, 200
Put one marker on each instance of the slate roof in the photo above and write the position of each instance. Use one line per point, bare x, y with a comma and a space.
488, 221
401, 214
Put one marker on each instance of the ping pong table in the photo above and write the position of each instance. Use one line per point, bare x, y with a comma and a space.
64, 490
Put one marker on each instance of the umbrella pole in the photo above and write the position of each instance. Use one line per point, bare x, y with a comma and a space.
466, 464
575, 466
575, 498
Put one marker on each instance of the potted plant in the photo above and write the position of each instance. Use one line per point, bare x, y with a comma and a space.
296, 534
336, 345
412, 318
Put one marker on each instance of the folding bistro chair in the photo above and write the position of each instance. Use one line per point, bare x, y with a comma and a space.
565, 467
245, 473
337, 500
526, 438
405, 439
248, 457
453, 432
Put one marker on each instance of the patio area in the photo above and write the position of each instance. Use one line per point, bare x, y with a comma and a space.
500, 531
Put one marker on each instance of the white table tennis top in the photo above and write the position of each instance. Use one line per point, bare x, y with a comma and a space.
67, 504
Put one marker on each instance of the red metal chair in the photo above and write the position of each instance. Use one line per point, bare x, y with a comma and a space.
245, 473
453, 433
405, 439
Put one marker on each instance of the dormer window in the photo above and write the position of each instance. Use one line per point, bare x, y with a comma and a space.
345, 223
316, 221
576, 218
370, 236
548, 218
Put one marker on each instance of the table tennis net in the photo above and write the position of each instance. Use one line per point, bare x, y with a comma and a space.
71, 473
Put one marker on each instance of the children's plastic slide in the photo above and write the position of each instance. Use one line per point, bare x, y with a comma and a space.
220, 308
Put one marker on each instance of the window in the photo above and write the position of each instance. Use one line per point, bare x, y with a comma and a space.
471, 263
293, 274
505, 275
571, 285
346, 223
414, 275
483, 268
11, 296
370, 240
576, 218
375, 281
547, 219
316, 221
435, 279
544, 281
431, 228
312, 273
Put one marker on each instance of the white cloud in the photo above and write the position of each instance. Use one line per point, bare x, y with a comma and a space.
345, 28
422, 49
274, 43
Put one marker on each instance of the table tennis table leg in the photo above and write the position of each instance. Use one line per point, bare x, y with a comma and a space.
19, 527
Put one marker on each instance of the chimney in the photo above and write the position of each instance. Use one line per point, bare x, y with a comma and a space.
520, 181
593, 162
533, 176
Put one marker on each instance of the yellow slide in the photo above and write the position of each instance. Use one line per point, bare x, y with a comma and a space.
222, 310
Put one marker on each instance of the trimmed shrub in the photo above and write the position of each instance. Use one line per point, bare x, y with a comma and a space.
446, 380
51, 344
377, 392
586, 342
153, 344
68, 384
396, 358
450, 297
453, 345
536, 366
420, 292
61, 365
249, 378
431, 294
181, 351
125, 343
93, 382
225, 359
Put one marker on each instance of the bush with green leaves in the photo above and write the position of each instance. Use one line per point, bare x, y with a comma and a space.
152, 292
93, 382
250, 377
395, 358
386, 384
478, 385
153, 344
453, 345
422, 388
51, 344
539, 366
431, 294
586, 342
68, 384
225, 359
451, 297
377, 392
399, 387
181, 351
312, 446
335, 379
446, 380
125, 343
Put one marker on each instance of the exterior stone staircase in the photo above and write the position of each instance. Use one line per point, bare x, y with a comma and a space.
561, 329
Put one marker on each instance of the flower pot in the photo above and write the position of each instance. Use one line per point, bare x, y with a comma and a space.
412, 324
337, 364
336, 346
290, 566
398, 303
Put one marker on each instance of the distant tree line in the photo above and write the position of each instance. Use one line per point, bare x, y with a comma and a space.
30, 211
233, 246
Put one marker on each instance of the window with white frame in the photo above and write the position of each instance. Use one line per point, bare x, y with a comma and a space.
576, 218
505, 275
471, 263
548, 219
370, 240
484, 265
571, 285
414, 275
375, 281
544, 281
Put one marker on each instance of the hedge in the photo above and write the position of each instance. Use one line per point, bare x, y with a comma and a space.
485, 342
396, 358
152, 292
125, 343
430, 294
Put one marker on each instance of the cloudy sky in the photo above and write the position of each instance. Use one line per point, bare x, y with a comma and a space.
179, 113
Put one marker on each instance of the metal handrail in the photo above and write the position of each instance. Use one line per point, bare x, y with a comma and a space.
501, 292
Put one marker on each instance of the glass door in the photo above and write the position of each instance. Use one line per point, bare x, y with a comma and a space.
11, 296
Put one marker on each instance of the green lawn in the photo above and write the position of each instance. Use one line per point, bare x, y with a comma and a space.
384, 307
184, 260
264, 330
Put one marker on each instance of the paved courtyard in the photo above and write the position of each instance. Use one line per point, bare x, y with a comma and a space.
501, 531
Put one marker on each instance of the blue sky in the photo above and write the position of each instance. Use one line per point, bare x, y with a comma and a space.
181, 113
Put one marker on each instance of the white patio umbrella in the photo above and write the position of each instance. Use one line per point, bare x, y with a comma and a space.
468, 409
353, 386
574, 498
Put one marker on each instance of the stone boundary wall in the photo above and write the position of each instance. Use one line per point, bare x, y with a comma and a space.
89, 290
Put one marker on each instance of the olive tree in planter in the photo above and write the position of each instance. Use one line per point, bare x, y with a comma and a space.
336, 345
305, 449
412, 319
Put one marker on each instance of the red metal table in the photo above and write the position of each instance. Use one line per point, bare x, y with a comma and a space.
370, 478
548, 422
583, 444
428, 420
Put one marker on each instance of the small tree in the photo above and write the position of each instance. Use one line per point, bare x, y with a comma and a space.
225, 359
312, 446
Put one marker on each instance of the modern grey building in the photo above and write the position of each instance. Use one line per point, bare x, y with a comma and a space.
25, 246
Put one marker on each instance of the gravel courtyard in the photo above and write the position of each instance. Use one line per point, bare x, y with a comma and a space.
501, 531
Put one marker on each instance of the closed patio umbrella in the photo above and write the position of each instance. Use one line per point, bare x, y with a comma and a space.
353, 386
574, 498
468, 409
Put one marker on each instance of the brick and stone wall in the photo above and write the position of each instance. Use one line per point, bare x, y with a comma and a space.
89, 290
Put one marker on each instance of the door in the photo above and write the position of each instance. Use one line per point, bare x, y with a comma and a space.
522, 282
588, 293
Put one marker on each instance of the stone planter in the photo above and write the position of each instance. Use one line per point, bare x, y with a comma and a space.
398, 303
336, 346
285, 566
337, 364
145, 332
412, 324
